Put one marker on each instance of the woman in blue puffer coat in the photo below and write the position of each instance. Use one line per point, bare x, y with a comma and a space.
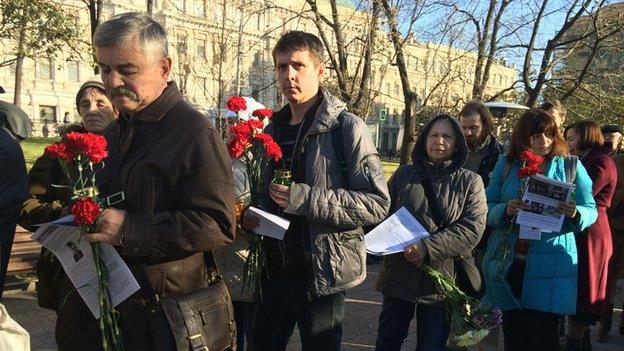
535, 282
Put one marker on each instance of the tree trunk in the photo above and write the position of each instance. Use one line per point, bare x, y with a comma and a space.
95, 15
220, 122
150, 8
19, 64
409, 97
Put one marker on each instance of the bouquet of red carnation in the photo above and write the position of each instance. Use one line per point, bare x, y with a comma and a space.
256, 149
84, 152
531, 165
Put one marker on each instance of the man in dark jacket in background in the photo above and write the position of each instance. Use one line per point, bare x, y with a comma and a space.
613, 135
14, 126
483, 148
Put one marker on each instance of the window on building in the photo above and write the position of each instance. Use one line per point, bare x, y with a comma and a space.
179, 5
47, 113
202, 85
45, 69
200, 8
73, 71
388, 88
217, 12
200, 49
396, 89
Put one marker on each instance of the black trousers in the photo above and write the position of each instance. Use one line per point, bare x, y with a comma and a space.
526, 329
285, 304
8, 222
530, 330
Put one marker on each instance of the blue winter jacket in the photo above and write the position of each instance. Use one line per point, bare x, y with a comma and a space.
550, 279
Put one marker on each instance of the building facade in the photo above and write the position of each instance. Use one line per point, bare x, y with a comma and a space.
222, 48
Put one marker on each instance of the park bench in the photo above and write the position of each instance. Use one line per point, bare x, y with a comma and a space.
25, 252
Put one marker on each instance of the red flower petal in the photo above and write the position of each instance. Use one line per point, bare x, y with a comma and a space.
85, 211
263, 113
59, 150
236, 103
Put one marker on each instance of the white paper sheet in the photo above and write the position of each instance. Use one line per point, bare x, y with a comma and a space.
529, 233
270, 225
394, 234
544, 194
76, 258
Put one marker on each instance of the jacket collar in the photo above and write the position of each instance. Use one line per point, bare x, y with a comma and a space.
325, 117
155, 111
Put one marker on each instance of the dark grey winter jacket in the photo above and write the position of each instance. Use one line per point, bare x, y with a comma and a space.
462, 203
336, 208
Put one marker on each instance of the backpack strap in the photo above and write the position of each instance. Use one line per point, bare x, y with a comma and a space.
338, 145
569, 165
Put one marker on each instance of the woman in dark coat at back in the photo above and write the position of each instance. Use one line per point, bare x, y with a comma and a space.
594, 245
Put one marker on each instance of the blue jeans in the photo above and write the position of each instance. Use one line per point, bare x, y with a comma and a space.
284, 304
432, 326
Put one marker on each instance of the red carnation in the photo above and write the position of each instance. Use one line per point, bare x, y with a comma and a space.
530, 158
255, 124
528, 171
91, 145
273, 151
85, 211
263, 113
59, 150
236, 103
241, 132
236, 149
264, 138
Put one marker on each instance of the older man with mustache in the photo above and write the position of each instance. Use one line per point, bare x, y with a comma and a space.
173, 167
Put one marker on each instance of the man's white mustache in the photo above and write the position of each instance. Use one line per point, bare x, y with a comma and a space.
123, 91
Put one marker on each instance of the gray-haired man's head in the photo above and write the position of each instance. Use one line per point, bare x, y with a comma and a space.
131, 50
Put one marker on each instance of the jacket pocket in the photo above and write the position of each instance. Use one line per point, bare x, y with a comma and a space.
149, 192
346, 257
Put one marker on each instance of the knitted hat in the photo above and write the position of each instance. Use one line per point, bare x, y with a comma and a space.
93, 82
611, 128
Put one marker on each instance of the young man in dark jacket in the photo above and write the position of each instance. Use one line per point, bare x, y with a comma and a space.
338, 187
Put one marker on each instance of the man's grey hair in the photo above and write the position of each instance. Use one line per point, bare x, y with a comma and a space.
121, 28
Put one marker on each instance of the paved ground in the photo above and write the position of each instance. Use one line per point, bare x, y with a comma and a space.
360, 324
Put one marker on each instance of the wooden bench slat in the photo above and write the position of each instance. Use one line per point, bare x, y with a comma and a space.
24, 253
